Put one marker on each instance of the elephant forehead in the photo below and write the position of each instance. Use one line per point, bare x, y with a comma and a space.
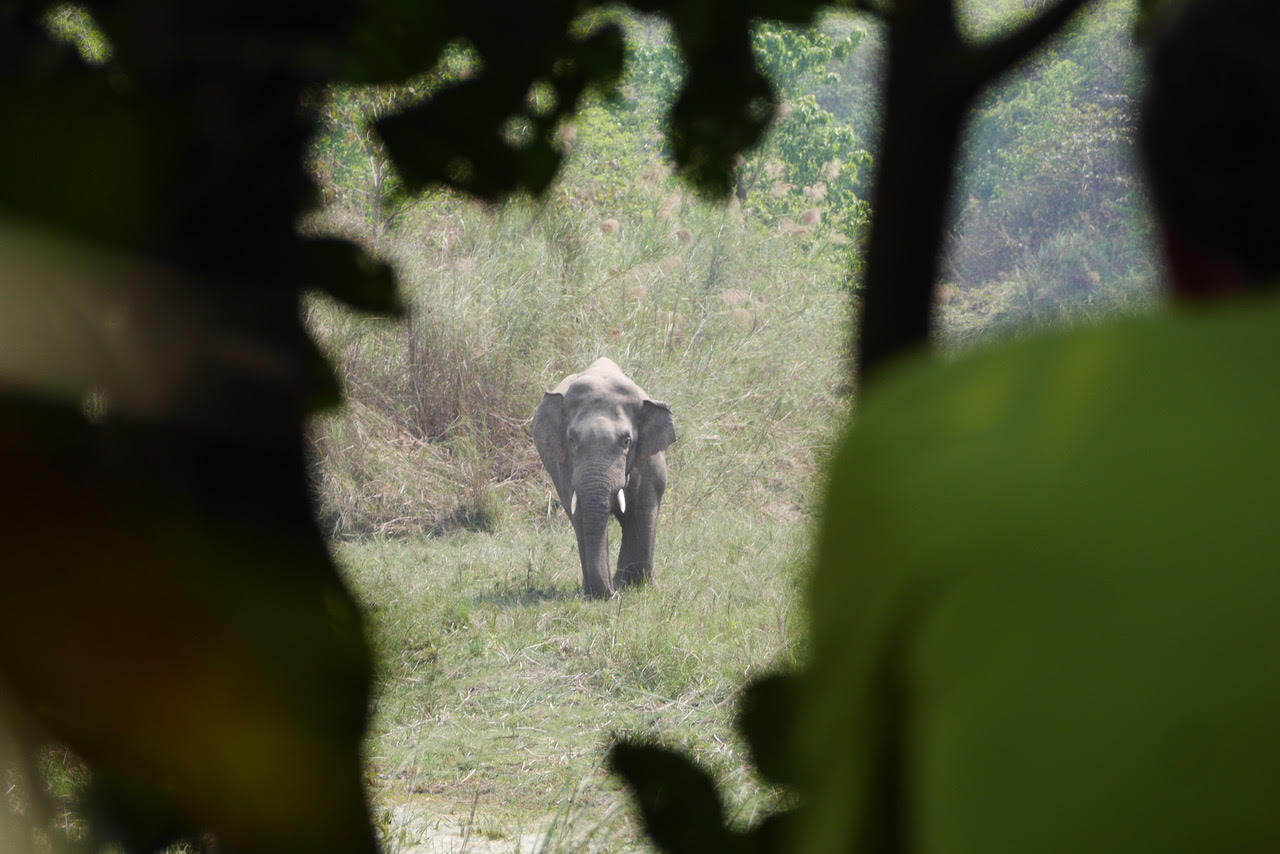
606, 422
592, 389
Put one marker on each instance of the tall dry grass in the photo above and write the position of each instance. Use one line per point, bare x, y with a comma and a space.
743, 330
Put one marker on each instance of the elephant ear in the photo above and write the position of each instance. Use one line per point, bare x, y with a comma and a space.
548, 431
656, 430
549, 424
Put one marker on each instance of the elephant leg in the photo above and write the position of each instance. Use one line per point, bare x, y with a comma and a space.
635, 558
593, 549
640, 527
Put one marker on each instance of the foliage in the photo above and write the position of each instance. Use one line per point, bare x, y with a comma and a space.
804, 177
856, 94
811, 163
437, 141
74, 25
1072, 278
1049, 164
350, 160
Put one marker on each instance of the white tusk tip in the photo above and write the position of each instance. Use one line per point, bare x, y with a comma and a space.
622, 501
573, 503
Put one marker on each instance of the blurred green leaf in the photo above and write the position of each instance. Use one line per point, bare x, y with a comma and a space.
1044, 601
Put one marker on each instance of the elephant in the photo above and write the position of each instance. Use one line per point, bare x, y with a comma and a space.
603, 442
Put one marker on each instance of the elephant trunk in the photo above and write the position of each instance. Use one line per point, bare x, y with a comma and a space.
595, 494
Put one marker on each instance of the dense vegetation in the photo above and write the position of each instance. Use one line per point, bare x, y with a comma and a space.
1051, 222
734, 315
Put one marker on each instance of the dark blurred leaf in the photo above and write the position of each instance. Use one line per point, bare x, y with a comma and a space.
259, 39
478, 135
345, 272
677, 799
397, 39
724, 108
212, 671
765, 720
167, 606
456, 140
798, 12
77, 133
599, 57
772, 835
131, 818
319, 379
1151, 13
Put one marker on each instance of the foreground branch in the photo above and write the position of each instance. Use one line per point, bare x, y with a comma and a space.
933, 77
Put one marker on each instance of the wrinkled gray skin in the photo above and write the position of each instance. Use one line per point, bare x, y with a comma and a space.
599, 434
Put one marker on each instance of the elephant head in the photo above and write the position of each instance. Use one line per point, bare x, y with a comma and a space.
602, 440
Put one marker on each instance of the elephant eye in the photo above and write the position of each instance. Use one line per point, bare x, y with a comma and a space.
626, 440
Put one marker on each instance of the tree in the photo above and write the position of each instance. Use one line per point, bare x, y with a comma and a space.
933, 77
810, 158
1049, 211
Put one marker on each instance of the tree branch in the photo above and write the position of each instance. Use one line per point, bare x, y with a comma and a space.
995, 58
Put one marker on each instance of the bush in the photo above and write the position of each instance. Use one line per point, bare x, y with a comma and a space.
1071, 277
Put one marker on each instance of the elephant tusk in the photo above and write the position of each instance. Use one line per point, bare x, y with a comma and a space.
573, 503
622, 501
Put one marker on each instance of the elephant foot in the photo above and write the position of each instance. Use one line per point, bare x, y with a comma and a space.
633, 576
600, 591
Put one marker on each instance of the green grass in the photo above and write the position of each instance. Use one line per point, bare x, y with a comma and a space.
500, 688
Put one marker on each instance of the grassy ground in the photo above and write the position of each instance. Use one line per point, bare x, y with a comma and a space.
501, 688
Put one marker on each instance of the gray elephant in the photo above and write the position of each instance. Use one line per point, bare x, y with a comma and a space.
602, 440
